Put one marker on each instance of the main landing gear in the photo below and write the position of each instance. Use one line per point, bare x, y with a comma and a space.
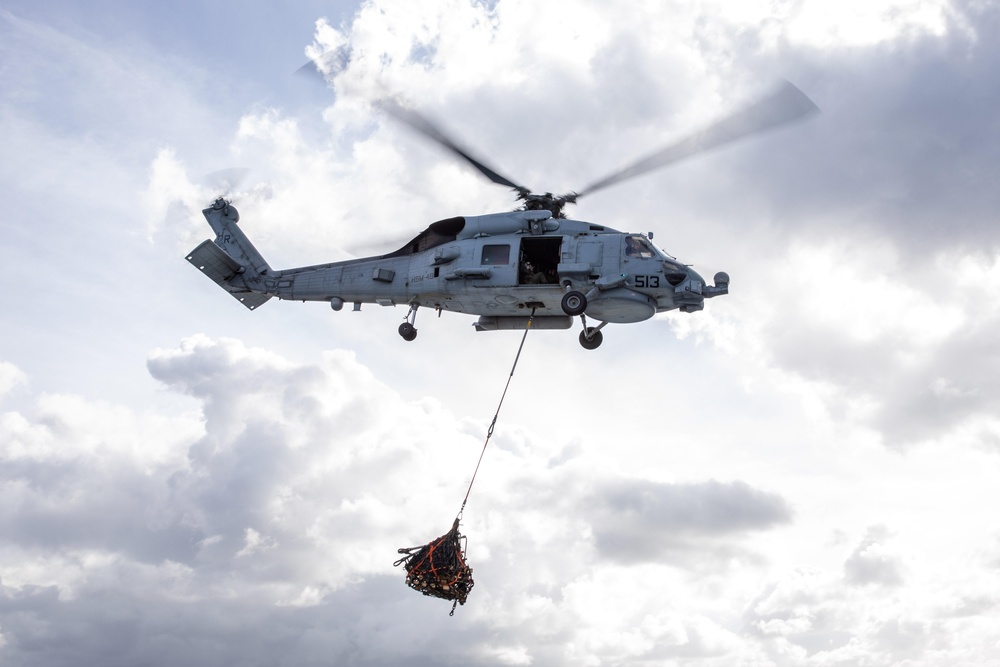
575, 303
591, 337
406, 329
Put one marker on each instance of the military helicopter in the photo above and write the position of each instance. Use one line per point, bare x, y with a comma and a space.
528, 265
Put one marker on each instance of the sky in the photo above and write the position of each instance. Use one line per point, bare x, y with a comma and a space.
804, 473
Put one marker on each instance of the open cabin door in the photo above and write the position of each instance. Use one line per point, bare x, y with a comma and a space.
539, 260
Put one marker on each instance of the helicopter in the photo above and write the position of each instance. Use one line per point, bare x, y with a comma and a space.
531, 267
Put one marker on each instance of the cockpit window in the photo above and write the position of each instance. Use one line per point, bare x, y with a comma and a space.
638, 246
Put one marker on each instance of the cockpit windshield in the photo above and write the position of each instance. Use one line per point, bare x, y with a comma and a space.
639, 246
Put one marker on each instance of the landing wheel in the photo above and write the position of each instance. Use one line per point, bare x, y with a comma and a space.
407, 331
591, 338
574, 303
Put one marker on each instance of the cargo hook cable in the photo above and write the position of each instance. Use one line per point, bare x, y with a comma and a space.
493, 424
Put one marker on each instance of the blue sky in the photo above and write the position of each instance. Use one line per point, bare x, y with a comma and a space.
803, 473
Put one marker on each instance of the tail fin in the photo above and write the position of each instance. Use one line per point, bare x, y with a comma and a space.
231, 260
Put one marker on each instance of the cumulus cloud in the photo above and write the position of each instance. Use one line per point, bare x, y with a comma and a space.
283, 505
881, 334
291, 493
871, 563
811, 617
10, 377
639, 521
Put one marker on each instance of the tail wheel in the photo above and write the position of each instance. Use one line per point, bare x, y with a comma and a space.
574, 303
407, 331
591, 338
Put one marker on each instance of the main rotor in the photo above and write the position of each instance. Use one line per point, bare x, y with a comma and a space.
783, 105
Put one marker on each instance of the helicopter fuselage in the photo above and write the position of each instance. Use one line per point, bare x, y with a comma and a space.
503, 267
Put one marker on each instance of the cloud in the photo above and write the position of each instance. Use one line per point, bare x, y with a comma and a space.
282, 504
906, 350
640, 521
873, 608
10, 377
870, 563
85, 475
287, 501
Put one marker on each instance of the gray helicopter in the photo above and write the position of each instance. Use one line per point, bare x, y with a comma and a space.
530, 265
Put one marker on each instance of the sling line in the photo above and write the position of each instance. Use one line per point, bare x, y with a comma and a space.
489, 432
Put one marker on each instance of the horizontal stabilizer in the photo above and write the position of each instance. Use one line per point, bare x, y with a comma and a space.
251, 299
218, 265
214, 262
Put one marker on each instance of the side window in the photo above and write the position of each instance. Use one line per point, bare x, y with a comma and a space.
496, 254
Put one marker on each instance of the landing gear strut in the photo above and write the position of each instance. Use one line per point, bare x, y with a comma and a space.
591, 337
406, 329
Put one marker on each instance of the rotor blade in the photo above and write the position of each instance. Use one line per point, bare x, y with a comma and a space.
785, 105
310, 71
426, 128
327, 64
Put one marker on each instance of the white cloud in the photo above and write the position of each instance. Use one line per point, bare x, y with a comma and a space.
256, 542
871, 563
303, 482
856, 331
635, 521
10, 377
846, 24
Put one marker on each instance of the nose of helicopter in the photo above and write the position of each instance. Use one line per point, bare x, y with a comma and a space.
690, 294
694, 277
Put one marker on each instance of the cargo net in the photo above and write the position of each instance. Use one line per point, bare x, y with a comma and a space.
439, 569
